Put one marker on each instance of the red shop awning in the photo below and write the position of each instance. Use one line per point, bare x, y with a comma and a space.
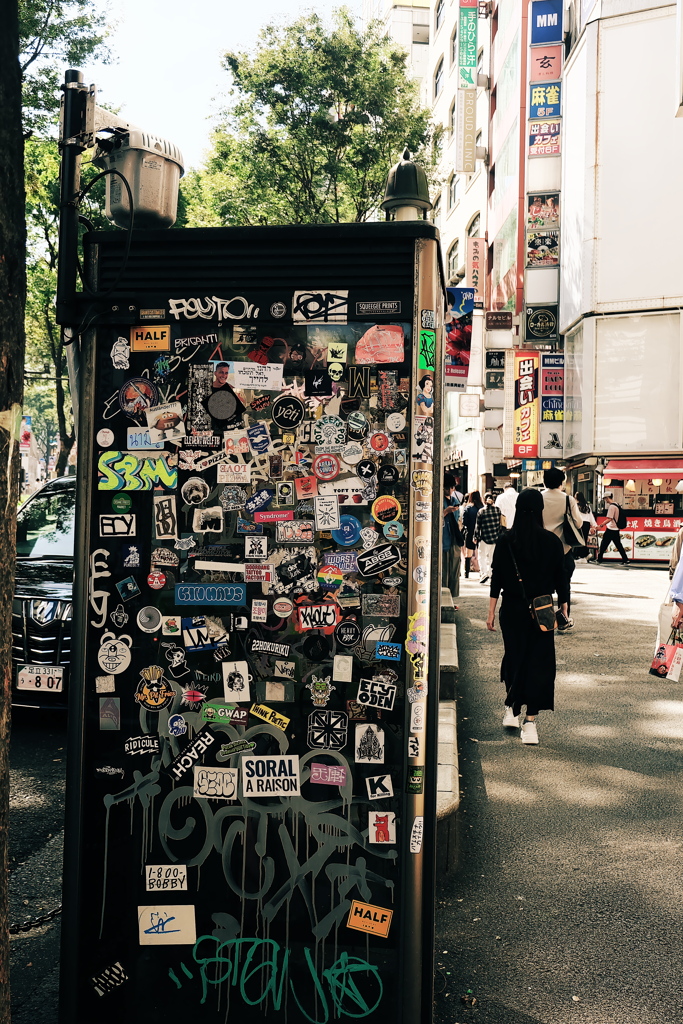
628, 469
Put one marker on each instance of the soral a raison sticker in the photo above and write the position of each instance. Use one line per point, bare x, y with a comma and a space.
264, 776
365, 917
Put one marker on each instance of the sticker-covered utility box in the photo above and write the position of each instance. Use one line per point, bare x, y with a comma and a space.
251, 804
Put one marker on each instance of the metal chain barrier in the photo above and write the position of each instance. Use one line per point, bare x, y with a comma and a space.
35, 922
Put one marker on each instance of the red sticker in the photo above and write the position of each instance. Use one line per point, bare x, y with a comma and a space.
326, 467
156, 580
379, 442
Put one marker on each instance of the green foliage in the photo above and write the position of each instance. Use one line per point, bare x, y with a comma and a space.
54, 35
318, 117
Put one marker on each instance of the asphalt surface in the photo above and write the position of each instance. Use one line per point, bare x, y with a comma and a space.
37, 773
567, 901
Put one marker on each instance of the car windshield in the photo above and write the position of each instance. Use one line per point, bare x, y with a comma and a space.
45, 525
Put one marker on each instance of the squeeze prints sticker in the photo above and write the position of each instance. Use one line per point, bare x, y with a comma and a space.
270, 776
172, 925
169, 877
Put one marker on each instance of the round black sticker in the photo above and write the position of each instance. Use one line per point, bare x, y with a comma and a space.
366, 469
347, 633
222, 405
316, 648
288, 412
388, 475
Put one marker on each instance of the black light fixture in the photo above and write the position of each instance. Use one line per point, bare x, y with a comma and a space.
407, 190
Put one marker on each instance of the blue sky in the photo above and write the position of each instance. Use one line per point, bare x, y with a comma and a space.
167, 76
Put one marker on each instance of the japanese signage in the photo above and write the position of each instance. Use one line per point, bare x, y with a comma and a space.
543, 210
544, 99
552, 404
545, 63
467, 47
498, 321
546, 21
465, 131
541, 323
476, 268
543, 248
545, 137
525, 427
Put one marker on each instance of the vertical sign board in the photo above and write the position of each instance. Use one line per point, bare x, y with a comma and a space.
476, 268
467, 44
525, 426
552, 404
458, 343
254, 635
466, 131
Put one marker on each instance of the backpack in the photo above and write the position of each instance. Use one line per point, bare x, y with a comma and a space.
622, 518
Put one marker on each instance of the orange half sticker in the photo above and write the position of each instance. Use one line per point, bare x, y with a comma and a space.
366, 918
156, 338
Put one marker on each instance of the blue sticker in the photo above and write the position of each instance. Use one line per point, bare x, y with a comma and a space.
210, 593
259, 438
127, 588
246, 526
393, 530
259, 500
387, 652
177, 726
348, 532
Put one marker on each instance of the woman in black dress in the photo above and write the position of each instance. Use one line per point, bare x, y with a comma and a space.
473, 503
528, 666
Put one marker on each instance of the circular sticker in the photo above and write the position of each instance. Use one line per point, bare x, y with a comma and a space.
153, 692
149, 619
137, 395
222, 405
391, 581
352, 453
348, 532
420, 573
379, 442
357, 426
278, 310
387, 475
288, 412
114, 653
329, 430
283, 607
156, 580
121, 502
395, 422
366, 469
386, 508
330, 576
393, 530
326, 467
347, 633
105, 437
316, 647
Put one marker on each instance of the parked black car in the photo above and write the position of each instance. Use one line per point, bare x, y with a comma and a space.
42, 605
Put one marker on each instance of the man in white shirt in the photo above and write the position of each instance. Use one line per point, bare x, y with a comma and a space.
506, 503
555, 504
612, 530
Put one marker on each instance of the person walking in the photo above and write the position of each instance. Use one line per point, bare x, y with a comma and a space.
451, 537
469, 521
589, 523
555, 505
486, 532
506, 503
612, 534
534, 554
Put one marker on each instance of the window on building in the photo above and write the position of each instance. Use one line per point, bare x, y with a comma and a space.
438, 79
474, 225
421, 33
453, 191
454, 46
440, 14
453, 261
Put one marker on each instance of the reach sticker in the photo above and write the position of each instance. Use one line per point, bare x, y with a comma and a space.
270, 776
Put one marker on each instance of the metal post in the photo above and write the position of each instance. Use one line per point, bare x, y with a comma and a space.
72, 144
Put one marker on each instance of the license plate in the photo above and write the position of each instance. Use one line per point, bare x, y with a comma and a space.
40, 677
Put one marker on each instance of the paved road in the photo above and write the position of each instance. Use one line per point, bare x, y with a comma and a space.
567, 905
38, 763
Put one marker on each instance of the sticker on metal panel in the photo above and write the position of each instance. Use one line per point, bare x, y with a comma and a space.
365, 917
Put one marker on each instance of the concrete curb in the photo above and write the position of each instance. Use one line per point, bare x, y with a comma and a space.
448, 777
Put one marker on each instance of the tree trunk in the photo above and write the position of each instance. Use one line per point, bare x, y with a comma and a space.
12, 300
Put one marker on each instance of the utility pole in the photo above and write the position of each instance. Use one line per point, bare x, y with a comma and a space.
12, 341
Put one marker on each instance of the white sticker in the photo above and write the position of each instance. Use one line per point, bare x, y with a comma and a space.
236, 680
104, 684
117, 525
381, 827
208, 520
138, 439
165, 422
172, 925
170, 625
256, 547
259, 610
284, 669
379, 786
105, 437
417, 717
234, 473
165, 518
215, 783
276, 691
416, 834
268, 776
327, 512
342, 671
169, 877
369, 744
257, 376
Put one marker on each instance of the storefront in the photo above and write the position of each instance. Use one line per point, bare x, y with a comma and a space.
651, 493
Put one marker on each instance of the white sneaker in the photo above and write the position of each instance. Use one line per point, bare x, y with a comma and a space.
529, 733
510, 721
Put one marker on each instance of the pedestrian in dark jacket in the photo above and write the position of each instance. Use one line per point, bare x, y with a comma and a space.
469, 521
486, 532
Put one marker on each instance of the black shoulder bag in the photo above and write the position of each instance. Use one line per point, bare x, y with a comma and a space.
572, 535
541, 608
